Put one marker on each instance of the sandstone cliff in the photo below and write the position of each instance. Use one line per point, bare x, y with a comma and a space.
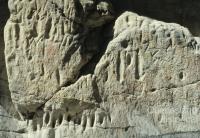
99, 68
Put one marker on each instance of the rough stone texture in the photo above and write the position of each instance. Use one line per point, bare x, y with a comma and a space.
86, 68
153, 69
180, 11
47, 44
5, 98
7, 111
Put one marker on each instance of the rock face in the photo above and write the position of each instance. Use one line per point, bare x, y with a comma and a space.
179, 11
77, 69
47, 44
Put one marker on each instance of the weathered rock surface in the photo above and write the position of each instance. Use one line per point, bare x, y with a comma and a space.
74, 70
47, 45
179, 11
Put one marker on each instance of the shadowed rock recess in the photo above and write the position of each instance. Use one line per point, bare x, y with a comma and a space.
99, 69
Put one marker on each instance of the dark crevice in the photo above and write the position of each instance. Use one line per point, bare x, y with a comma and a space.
30, 115
152, 89
118, 62
106, 34
47, 28
137, 76
84, 122
117, 128
60, 119
5, 102
22, 131
77, 120
47, 117
128, 59
53, 123
181, 75
69, 118
96, 93
92, 120
58, 76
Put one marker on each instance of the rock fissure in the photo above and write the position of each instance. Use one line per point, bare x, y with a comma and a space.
124, 128
75, 69
11, 131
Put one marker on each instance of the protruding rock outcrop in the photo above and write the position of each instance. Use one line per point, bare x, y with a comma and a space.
66, 81
47, 44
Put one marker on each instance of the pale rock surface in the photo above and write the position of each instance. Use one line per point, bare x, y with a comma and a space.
47, 45
146, 83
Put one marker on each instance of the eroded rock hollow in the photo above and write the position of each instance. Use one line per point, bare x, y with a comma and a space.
99, 68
